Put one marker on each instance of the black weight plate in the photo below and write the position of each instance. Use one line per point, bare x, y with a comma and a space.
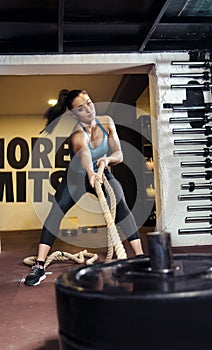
124, 306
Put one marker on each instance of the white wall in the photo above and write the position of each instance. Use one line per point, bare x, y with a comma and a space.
172, 211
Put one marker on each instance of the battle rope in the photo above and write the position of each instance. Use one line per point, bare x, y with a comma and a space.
114, 242
113, 238
78, 258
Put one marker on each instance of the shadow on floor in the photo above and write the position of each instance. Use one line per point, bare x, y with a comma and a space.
51, 344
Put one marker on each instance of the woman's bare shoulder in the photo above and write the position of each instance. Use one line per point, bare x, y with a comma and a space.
106, 121
76, 128
104, 118
77, 137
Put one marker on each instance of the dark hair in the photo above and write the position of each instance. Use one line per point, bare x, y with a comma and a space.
65, 100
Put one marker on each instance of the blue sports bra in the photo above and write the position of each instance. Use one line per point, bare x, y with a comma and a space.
96, 152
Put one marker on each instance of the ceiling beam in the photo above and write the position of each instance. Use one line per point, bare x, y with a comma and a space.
130, 88
167, 45
61, 4
154, 24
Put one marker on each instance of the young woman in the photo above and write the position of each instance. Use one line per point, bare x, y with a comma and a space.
93, 139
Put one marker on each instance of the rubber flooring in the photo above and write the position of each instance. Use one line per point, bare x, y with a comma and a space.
28, 314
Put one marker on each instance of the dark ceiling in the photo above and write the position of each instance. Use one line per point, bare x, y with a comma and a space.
104, 26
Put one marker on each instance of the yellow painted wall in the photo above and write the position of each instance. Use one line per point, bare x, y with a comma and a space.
143, 104
29, 214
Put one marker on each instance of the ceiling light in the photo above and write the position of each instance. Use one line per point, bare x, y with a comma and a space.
52, 102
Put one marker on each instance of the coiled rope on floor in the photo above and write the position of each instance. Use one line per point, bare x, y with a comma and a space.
78, 258
114, 243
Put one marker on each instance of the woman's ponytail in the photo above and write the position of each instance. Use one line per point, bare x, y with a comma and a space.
53, 112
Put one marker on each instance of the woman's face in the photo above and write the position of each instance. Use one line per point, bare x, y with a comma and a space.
83, 108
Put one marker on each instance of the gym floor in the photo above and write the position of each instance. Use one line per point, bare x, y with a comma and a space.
28, 314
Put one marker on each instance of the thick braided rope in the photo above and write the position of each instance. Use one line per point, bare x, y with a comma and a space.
112, 197
79, 258
114, 241
110, 249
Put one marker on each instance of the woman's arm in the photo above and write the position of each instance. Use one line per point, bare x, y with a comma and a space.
116, 155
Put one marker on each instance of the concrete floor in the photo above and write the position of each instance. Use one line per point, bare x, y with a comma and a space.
28, 314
